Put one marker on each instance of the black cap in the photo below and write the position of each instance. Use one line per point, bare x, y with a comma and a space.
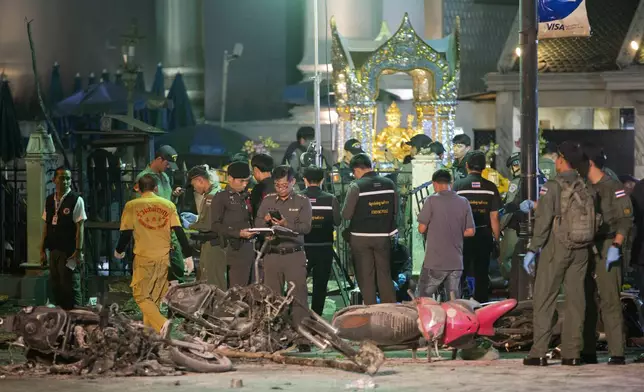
462, 139
169, 154
353, 146
476, 160
239, 170
419, 141
550, 148
516, 157
572, 153
437, 148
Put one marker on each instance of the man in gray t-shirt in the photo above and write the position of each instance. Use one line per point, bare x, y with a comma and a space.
446, 218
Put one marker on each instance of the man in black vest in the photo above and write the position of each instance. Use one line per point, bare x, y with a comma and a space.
372, 206
64, 218
485, 201
318, 244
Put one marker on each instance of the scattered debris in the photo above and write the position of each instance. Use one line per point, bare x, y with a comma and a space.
236, 383
362, 383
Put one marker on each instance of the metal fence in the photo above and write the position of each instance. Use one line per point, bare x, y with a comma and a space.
13, 218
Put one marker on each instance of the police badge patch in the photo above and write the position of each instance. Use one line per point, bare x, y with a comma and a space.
513, 188
543, 191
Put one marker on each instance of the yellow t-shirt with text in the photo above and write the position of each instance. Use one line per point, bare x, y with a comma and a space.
151, 218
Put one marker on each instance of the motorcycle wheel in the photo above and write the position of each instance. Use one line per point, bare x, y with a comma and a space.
200, 363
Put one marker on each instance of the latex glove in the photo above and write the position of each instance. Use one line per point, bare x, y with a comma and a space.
189, 265
612, 256
526, 206
118, 255
402, 278
188, 218
396, 287
528, 263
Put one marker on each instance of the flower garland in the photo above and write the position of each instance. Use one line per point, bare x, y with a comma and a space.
263, 146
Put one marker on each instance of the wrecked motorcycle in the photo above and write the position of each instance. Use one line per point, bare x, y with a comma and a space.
519, 323
254, 319
455, 323
105, 341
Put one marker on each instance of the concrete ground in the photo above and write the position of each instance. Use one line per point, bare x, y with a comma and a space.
397, 374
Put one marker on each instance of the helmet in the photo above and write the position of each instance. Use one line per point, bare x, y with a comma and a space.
515, 159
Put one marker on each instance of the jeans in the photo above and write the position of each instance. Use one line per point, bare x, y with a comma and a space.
430, 280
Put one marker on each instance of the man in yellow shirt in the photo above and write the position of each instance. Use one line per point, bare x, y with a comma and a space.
150, 219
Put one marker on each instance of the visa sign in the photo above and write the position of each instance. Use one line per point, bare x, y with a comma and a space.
563, 18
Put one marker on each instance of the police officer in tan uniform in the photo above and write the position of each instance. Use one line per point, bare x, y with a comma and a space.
212, 260
604, 277
230, 219
285, 260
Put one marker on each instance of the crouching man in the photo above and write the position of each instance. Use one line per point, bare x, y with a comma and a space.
151, 219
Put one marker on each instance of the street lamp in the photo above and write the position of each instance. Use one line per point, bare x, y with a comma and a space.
130, 68
238, 49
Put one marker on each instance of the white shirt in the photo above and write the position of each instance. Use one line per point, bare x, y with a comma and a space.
79, 209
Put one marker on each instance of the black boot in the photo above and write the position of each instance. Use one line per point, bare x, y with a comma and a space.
617, 361
538, 361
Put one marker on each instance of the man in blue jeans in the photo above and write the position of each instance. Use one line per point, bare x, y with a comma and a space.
445, 219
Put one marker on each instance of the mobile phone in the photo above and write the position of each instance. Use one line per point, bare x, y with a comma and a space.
275, 215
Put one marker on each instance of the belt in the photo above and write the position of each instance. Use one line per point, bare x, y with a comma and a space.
318, 244
286, 251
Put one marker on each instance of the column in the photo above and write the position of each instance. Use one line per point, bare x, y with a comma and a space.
356, 19
507, 129
180, 42
639, 141
422, 169
433, 19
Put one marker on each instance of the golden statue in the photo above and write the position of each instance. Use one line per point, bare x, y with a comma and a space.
491, 174
393, 137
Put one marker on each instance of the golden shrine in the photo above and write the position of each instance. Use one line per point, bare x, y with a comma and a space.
393, 138
434, 68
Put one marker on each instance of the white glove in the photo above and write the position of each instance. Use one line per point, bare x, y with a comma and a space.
189, 265
119, 255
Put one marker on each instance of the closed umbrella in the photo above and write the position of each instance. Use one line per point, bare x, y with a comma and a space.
11, 145
105, 76
142, 114
118, 79
56, 95
78, 83
159, 116
181, 115
92, 79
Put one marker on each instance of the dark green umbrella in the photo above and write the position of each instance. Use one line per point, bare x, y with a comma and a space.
78, 83
159, 117
181, 115
11, 145
118, 79
105, 75
139, 83
55, 86
92, 79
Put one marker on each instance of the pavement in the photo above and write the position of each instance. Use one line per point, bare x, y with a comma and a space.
398, 374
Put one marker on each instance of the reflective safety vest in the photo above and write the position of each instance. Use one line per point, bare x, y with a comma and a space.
374, 214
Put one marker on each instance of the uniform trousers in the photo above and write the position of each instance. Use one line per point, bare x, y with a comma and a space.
508, 246
65, 283
318, 266
280, 269
240, 263
176, 269
558, 265
476, 261
371, 256
212, 265
149, 286
607, 286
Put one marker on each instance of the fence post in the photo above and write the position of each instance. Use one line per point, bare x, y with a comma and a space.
40, 159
